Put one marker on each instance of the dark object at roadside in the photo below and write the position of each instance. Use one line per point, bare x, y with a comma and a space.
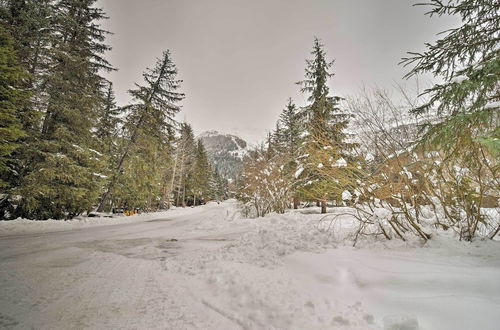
125, 211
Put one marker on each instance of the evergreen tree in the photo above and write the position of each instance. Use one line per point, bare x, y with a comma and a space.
141, 181
108, 120
30, 24
12, 98
289, 140
151, 117
275, 142
325, 124
21, 18
323, 115
65, 178
467, 59
201, 174
108, 130
292, 128
218, 186
185, 155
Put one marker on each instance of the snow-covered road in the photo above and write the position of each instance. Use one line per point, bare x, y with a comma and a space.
205, 268
109, 277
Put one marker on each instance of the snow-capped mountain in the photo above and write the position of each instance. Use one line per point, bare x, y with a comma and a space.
225, 151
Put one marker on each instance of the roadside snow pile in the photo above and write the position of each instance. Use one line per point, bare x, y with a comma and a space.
271, 238
245, 281
298, 270
276, 236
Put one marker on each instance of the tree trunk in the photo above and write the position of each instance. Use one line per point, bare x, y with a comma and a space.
323, 207
295, 203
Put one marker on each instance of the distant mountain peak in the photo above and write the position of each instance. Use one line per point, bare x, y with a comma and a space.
225, 151
210, 133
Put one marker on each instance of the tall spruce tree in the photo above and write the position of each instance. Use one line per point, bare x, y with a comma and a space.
325, 124
467, 59
64, 178
21, 18
151, 117
290, 140
185, 155
323, 115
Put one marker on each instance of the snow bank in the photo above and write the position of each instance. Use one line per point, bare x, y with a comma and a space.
271, 238
289, 272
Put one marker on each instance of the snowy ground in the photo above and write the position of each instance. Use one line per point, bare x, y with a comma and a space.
204, 268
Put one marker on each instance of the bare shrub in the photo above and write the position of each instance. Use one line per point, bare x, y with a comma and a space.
265, 186
410, 188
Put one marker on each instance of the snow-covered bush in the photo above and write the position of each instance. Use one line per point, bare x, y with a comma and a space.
420, 185
419, 191
265, 186
460, 189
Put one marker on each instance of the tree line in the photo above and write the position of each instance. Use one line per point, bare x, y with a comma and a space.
66, 147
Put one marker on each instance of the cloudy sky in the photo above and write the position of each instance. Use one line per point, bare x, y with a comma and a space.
240, 59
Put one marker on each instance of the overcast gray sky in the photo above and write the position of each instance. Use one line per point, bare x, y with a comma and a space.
239, 59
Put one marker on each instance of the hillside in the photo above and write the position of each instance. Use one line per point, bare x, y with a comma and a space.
225, 151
